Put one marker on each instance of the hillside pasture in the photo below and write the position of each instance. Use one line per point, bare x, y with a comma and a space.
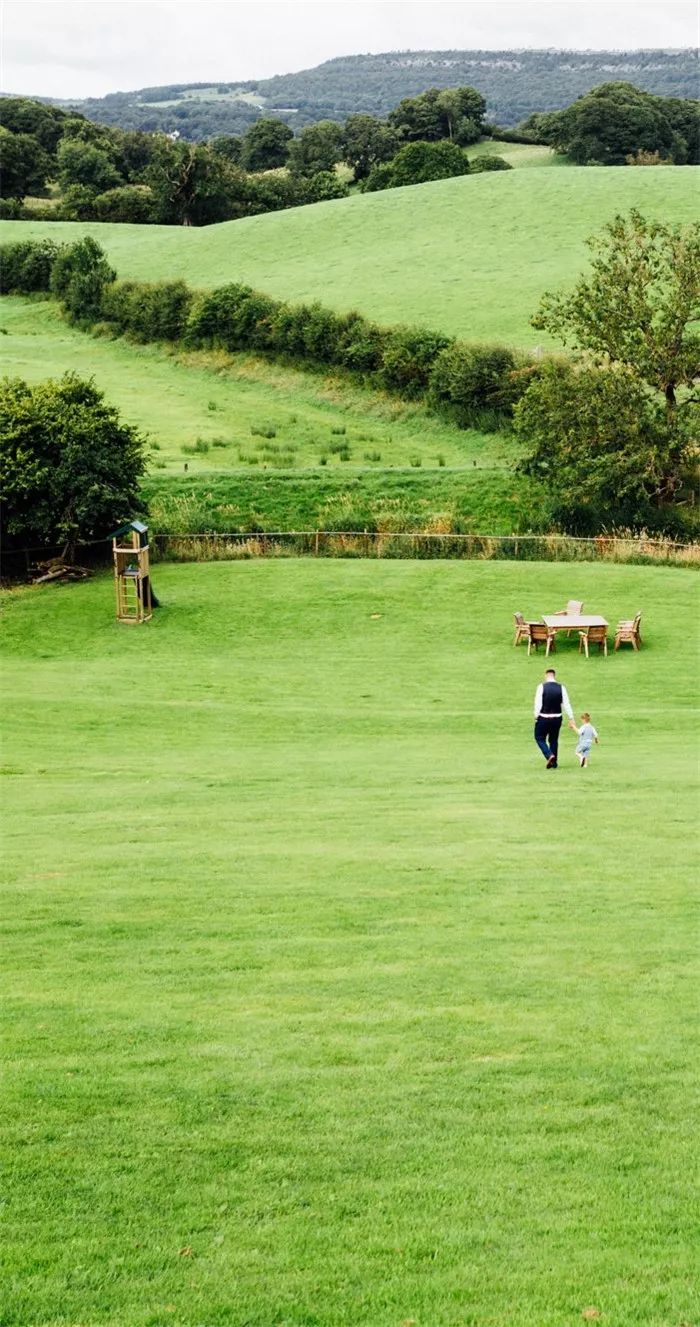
217, 413
469, 256
324, 1002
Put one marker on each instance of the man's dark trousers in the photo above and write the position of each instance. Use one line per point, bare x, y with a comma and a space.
547, 736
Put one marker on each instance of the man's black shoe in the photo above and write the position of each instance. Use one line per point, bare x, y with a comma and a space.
552, 762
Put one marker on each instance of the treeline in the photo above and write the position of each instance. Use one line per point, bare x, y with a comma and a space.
514, 84
618, 124
107, 174
475, 386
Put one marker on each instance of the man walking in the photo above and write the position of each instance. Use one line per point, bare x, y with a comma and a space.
550, 699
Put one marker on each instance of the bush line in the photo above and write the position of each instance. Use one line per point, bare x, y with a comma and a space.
476, 386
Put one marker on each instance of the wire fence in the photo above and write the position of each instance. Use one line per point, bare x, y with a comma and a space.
425, 545
238, 545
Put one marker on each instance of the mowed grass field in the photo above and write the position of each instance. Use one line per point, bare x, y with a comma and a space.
470, 256
324, 1003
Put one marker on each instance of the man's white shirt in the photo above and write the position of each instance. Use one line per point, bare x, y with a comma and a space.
565, 702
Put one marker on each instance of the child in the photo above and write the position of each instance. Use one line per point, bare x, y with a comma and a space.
587, 735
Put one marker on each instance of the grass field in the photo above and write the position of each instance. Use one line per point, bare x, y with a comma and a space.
180, 400
324, 1004
471, 256
516, 154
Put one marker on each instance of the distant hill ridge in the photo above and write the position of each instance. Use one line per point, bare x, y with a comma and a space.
515, 83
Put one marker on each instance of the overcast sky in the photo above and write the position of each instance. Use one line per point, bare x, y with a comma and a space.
59, 48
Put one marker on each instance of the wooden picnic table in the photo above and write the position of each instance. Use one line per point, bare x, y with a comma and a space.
573, 621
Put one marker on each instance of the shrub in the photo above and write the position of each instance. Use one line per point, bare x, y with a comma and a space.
235, 317
323, 186
479, 164
79, 275
408, 356
417, 163
155, 312
469, 380
25, 267
131, 203
361, 344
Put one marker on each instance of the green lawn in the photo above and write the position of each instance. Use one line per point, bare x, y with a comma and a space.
471, 256
325, 1005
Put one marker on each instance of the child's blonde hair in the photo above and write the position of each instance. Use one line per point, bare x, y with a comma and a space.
586, 717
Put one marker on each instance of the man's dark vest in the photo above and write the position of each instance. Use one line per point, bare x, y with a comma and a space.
551, 698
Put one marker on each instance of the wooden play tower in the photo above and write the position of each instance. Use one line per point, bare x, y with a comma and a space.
132, 580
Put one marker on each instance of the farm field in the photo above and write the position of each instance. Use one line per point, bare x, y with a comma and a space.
224, 405
324, 1002
470, 256
516, 154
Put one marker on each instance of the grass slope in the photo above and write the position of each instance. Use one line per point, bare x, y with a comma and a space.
217, 398
471, 255
324, 1002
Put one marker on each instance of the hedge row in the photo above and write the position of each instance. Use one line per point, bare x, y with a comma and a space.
475, 385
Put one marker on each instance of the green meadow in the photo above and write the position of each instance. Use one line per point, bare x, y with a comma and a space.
227, 404
324, 1003
470, 256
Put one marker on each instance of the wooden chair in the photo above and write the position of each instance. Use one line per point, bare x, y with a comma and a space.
629, 633
522, 628
540, 634
593, 636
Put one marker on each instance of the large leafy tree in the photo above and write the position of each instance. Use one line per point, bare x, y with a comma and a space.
613, 431
24, 165
456, 113
266, 145
367, 142
192, 185
318, 148
639, 305
83, 163
69, 467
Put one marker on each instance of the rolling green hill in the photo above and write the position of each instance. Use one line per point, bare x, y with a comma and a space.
471, 255
515, 83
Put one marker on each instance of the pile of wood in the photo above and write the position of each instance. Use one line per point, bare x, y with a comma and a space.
58, 570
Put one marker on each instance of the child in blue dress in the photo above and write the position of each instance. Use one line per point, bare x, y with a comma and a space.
587, 735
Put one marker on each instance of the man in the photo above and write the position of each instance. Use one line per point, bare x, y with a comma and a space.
550, 698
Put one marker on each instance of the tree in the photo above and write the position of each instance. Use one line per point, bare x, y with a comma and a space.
613, 431
618, 120
194, 186
229, 146
266, 145
70, 466
454, 113
83, 163
639, 304
25, 165
367, 142
79, 275
602, 447
417, 163
318, 148
462, 111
